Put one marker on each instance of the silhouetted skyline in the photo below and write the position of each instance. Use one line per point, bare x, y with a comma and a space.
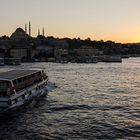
116, 20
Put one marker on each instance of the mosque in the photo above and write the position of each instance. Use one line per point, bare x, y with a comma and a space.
21, 34
19, 51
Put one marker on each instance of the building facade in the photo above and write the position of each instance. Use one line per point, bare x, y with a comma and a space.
22, 53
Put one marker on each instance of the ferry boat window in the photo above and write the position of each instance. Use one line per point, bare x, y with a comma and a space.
14, 82
30, 92
24, 78
33, 75
19, 80
23, 96
30, 76
12, 93
5, 87
9, 102
16, 100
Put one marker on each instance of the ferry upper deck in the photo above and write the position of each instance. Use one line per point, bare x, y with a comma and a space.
17, 80
15, 74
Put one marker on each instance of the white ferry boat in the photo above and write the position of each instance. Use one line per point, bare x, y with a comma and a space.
18, 87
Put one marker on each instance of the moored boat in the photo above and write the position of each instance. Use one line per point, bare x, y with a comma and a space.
112, 59
18, 87
12, 61
1, 61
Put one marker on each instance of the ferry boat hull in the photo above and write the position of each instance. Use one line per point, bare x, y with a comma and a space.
27, 100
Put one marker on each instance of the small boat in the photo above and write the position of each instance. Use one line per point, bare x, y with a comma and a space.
12, 61
18, 87
112, 59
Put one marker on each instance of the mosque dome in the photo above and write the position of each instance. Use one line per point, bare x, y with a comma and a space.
19, 34
20, 30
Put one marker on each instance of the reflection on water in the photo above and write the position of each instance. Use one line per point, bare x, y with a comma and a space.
91, 101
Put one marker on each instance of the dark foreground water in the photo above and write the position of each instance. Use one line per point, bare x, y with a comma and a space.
91, 101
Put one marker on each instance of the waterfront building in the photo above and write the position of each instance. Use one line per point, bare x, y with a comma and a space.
17, 52
3, 49
45, 48
43, 52
85, 51
61, 54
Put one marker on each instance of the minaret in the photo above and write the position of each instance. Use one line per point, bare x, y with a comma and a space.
43, 32
38, 31
29, 28
26, 28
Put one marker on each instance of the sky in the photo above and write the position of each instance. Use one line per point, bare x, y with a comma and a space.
116, 20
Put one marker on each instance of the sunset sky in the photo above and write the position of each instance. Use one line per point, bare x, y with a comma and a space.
117, 20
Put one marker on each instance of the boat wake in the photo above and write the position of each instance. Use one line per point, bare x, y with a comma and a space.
51, 86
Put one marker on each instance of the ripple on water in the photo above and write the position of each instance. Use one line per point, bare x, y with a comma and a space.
91, 101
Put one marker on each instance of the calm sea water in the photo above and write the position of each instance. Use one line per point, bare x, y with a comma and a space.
91, 101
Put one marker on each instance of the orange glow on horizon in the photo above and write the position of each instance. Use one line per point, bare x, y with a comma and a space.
119, 38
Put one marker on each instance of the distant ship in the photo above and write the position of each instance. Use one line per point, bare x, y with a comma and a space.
10, 61
112, 59
18, 87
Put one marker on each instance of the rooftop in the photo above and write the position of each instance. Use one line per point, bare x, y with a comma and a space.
15, 74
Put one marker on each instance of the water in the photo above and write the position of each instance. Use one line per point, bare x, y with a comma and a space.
91, 101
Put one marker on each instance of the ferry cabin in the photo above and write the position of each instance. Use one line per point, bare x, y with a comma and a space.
20, 86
